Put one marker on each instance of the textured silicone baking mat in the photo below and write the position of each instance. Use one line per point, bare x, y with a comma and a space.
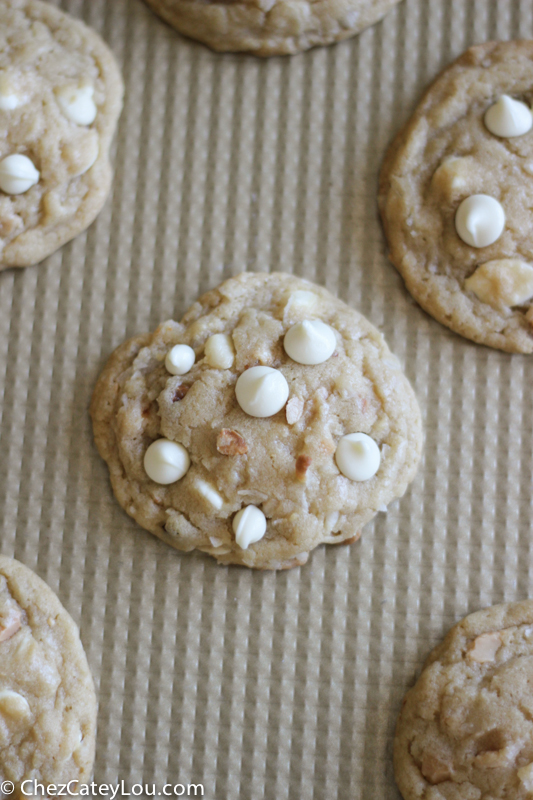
259, 685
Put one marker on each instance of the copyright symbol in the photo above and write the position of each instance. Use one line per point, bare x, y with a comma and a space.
7, 787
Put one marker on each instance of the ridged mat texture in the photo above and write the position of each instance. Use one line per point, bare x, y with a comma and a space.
259, 685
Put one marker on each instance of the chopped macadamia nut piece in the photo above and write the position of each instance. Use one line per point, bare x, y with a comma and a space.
299, 303
484, 648
503, 283
10, 623
453, 177
525, 776
494, 759
219, 351
231, 443
434, 770
294, 410
14, 706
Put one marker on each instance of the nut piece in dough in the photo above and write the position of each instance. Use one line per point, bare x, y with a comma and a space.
466, 726
283, 463
270, 27
447, 166
46, 689
58, 78
503, 283
219, 351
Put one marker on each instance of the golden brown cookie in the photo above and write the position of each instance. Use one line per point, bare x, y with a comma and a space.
244, 406
270, 27
456, 197
60, 98
47, 699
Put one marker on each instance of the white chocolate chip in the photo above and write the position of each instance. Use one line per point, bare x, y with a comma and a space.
294, 410
9, 100
480, 220
77, 103
331, 521
505, 282
249, 525
219, 351
508, 118
484, 647
14, 705
358, 457
261, 391
209, 493
17, 174
180, 359
310, 342
166, 462
525, 776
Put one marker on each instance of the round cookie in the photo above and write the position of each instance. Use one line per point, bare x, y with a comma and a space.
47, 699
249, 427
60, 99
468, 260
465, 731
270, 27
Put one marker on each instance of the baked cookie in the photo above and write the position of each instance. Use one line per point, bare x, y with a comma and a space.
271, 419
456, 197
466, 728
270, 27
47, 699
60, 99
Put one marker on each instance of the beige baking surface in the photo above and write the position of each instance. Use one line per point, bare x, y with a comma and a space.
259, 685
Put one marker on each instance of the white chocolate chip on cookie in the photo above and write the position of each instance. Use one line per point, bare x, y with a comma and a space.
180, 359
480, 220
77, 103
358, 457
17, 174
166, 462
310, 342
508, 118
502, 283
219, 351
209, 493
262, 391
249, 525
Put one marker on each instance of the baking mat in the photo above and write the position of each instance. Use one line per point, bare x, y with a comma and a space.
257, 685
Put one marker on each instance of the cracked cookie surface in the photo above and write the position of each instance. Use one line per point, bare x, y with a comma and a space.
270, 27
446, 154
466, 728
47, 699
53, 69
284, 464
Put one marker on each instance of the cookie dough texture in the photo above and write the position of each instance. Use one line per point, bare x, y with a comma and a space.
47, 699
270, 27
443, 155
42, 52
466, 728
283, 464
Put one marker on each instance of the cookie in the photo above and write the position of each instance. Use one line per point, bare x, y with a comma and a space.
47, 699
60, 99
270, 27
466, 728
456, 197
271, 419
